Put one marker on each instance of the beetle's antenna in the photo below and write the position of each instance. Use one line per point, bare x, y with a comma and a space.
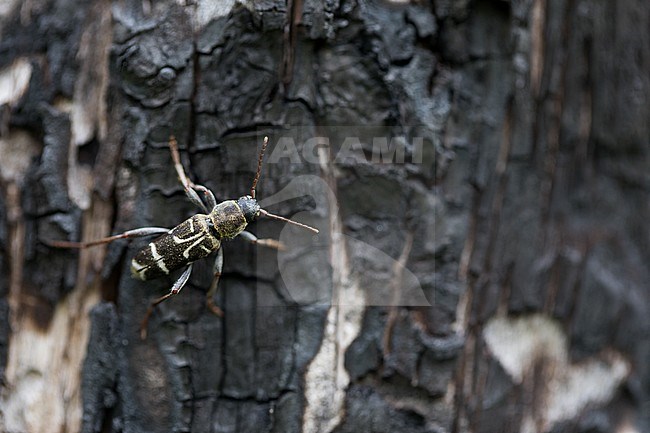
278, 217
259, 165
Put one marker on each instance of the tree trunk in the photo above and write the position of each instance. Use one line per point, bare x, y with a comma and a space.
478, 172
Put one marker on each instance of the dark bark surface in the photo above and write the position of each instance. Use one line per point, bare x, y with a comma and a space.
519, 210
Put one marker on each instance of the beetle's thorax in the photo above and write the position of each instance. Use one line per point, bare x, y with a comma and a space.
228, 219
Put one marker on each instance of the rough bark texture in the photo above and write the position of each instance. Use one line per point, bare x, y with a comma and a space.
519, 211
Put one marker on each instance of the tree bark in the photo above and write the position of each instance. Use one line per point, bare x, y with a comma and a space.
478, 172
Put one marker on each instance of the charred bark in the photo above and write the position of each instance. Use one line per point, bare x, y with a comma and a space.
478, 171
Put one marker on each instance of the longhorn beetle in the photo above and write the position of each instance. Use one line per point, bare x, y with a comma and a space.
194, 238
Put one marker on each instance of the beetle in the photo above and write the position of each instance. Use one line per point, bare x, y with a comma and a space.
195, 238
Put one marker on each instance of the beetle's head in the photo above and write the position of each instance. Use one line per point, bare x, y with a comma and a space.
249, 207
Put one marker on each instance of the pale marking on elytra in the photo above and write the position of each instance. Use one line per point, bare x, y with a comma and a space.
158, 258
186, 253
180, 241
137, 267
196, 238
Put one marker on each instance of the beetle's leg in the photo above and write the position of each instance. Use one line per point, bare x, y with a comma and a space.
190, 187
209, 300
209, 197
176, 288
129, 234
271, 243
